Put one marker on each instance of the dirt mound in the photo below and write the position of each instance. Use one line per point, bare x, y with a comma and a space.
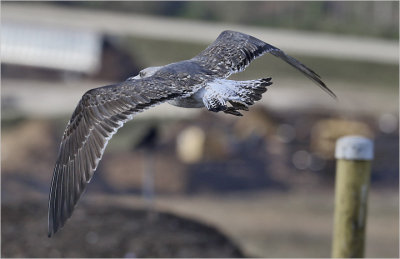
109, 232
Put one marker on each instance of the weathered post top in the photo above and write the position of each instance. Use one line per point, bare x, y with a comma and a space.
354, 148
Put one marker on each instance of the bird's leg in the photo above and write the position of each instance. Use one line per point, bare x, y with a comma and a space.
231, 96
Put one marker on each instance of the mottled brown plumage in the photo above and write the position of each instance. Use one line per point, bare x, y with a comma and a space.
198, 82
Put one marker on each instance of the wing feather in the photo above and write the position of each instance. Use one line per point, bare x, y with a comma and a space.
233, 51
98, 115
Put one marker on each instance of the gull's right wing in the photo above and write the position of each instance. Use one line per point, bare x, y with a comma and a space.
97, 117
233, 51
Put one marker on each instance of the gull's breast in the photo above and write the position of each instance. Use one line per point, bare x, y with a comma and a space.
193, 101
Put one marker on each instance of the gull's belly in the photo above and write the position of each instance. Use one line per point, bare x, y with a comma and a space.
193, 101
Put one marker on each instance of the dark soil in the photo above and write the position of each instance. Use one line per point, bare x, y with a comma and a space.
104, 231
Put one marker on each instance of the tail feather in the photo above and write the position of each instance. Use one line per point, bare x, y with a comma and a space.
231, 96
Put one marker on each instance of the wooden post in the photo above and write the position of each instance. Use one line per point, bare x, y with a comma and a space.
353, 169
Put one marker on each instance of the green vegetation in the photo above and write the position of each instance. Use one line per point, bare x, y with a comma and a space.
366, 18
150, 52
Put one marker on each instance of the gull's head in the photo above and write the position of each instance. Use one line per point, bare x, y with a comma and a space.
146, 72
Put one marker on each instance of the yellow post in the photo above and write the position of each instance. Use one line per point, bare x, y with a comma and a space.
353, 169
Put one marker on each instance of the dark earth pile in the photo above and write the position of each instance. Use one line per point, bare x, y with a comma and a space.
104, 231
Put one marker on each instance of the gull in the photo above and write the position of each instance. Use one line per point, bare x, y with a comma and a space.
194, 83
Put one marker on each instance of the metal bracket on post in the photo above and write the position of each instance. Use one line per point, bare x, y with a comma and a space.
353, 169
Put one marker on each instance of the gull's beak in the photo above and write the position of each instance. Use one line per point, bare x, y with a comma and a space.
134, 77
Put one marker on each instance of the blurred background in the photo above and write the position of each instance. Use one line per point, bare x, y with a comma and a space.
187, 182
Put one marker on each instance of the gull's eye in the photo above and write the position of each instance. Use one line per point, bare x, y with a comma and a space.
142, 74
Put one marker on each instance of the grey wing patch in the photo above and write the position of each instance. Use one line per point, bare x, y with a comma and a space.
233, 51
98, 115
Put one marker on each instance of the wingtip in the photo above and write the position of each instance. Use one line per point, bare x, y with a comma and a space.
327, 90
50, 232
332, 94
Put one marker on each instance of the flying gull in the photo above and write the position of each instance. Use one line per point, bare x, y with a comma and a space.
194, 83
